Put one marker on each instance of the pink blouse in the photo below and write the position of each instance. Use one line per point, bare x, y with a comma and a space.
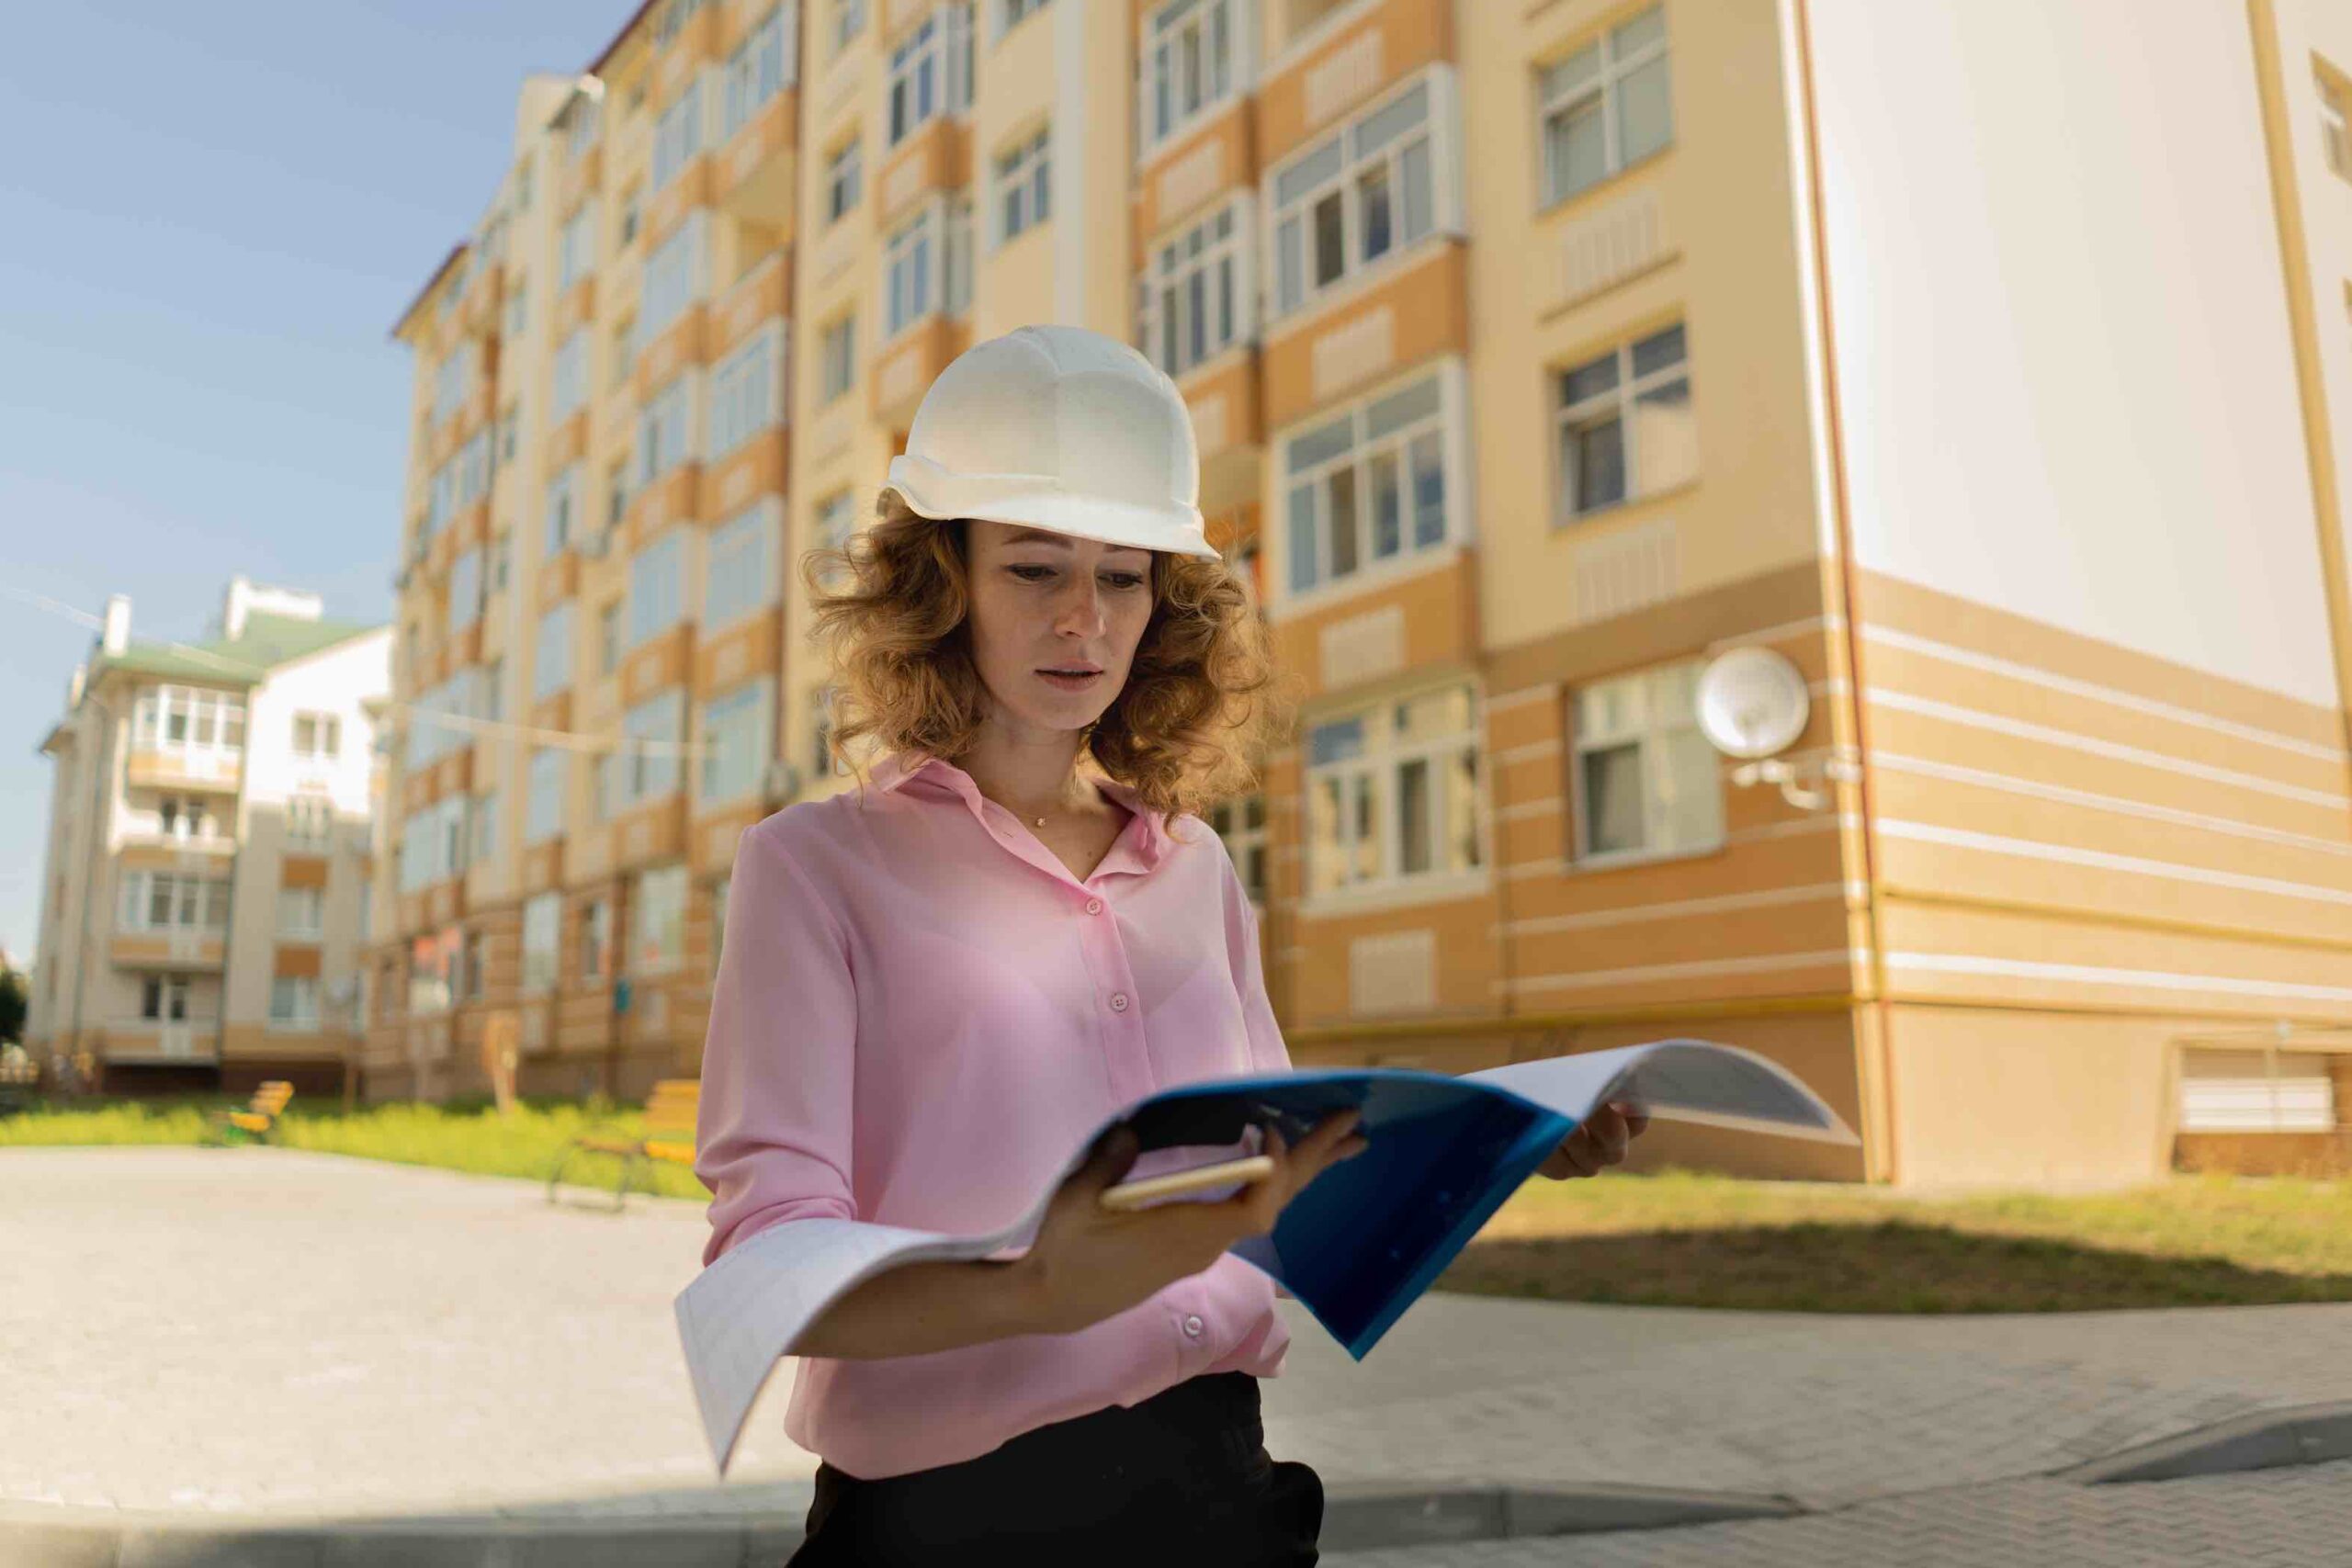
920, 1015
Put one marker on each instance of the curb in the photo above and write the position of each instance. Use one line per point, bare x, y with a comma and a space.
1357, 1516
2300, 1434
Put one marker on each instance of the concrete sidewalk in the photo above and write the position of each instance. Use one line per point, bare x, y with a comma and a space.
260, 1337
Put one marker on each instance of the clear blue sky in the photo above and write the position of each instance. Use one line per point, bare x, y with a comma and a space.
209, 218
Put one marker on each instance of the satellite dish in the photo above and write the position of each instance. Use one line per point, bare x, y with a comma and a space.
1752, 702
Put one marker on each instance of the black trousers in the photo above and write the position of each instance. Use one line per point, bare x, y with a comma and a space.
1182, 1478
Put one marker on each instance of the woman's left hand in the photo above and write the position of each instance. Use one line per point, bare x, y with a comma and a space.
1597, 1143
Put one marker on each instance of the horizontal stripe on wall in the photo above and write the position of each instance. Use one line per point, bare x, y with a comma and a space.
1676, 909
2103, 859
2088, 974
1836, 958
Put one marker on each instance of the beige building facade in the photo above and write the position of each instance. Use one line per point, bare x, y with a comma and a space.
1539, 356
205, 904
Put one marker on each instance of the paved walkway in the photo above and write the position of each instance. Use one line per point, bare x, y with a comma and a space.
296, 1336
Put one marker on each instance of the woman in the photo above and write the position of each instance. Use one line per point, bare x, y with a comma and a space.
935, 985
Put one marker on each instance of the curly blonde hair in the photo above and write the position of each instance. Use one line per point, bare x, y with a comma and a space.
1183, 733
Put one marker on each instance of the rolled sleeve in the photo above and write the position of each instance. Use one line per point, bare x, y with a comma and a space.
773, 1138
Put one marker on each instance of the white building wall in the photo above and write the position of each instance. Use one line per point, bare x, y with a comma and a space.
2063, 356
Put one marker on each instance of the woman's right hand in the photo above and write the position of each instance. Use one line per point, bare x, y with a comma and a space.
1089, 1262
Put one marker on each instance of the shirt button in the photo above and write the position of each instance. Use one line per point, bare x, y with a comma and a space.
1094, 905
1192, 1327
1119, 1001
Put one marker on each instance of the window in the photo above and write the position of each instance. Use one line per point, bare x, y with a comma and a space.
838, 362
677, 135
492, 691
760, 68
672, 17
1392, 793
665, 428
959, 255
1242, 825
821, 763
442, 498
485, 826
931, 69
502, 562
907, 273
563, 498
586, 121
552, 657
745, 393
735, 576
2256, 1091
1362, 195
164, 999
658, 922
736, 729
1605, 107
1011, 14
596, 939
657, 588
1625, 426
849, 20
188, 719
632, 207
834, 525
430, 735
676, 275
156, 900
317, 734
294, 1002
518, 314
473, 469
1023, 178
576, 245
451, 378
1189, 61
465, 591
432, 960
2335, 123
608, 638
639, 773
542, 924
1369, 486
543, 797
183, 817
472, 970
310, 821
302, 912
510, 431
1646, 782
570, 384
844, 180
1197, 295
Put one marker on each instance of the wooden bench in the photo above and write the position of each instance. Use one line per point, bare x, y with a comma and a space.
670, 1113
258, 1120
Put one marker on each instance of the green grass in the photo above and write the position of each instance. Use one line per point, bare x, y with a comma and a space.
1676, 1239
460, 1136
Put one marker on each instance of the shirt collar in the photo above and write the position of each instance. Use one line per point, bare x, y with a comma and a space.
899, 769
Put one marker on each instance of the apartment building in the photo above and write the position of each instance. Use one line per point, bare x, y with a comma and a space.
204, 903
1539, 354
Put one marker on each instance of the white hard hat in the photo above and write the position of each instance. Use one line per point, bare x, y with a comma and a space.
1062, 429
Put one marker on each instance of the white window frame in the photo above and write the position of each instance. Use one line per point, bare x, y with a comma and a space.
677, 277
660, 896
657, 587
213, 721
552, 653
1021, 187
634, 775
576, 245
1599, 88
1164, 35
744, 89
1313, 471
1383, 772
669, 430
301, 913
1011, 14
1198, 260
739, 736
845, 179
1619, 404
451, 379
294, 1004
542, 942
465, 591
929, 73
736, 578
317, 736
483, 822
1659, 694
837, 359
678, 136
747, 392
849, 21
568, 382
1245, 841
910, 280
561, 509
543, 794
310, 820
1438, 137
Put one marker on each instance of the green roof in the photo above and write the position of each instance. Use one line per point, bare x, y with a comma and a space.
265, 642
